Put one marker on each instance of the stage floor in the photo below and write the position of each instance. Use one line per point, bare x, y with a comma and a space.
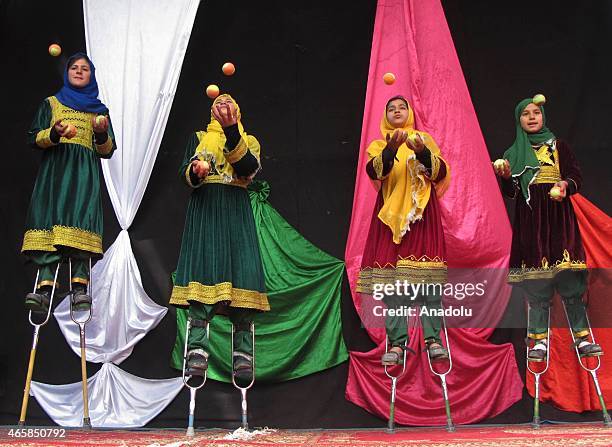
584, 435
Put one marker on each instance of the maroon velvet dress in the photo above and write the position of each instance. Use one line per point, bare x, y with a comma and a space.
421, 255
545, 234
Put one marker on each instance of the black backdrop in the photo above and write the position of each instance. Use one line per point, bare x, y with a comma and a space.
300, 81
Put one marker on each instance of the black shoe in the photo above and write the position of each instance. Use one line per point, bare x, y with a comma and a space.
243, 368
39, 300
536, 355
197, 362
436, 351
79, 300
392, 358
538, 352
590, 350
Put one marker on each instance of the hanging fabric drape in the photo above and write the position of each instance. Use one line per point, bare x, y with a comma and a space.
138, 48
130, 402
566, 384
302, 333
412, 40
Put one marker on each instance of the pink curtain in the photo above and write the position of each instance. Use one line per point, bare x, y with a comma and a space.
412, 40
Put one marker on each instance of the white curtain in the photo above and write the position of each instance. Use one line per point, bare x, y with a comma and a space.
131, 402
122, 311
138, 48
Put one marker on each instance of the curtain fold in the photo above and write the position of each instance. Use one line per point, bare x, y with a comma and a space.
130, 402
566, 384
412, 40
302, 333
138, 48
122, 314
139, 52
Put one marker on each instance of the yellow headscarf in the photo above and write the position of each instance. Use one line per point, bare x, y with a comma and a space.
212, 142
406, 189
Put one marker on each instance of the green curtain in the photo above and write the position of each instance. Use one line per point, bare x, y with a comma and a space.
302, 334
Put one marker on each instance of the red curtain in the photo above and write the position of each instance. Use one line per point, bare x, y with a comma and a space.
566, 384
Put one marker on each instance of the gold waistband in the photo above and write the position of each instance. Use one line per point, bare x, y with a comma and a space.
211, 179
548, 174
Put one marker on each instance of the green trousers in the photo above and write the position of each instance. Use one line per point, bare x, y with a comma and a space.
240, 317
397, 328
47, 263
571, 286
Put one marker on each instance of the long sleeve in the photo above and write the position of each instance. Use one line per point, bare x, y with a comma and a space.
185, 171
379, 167
510, 187
42, 134
436, 167
242, 155
568, 165
105, 142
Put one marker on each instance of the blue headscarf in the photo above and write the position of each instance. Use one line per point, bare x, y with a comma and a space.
82, 99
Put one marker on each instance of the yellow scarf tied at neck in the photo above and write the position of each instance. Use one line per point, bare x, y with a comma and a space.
406, 190
212, 142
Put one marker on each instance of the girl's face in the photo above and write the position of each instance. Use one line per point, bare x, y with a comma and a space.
226, 101
397, 113
79, 73
531, 119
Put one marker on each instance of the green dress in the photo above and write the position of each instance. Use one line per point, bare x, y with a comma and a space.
65, 213
219, 267
219, 260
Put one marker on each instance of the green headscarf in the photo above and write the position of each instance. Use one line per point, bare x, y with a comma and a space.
521, 156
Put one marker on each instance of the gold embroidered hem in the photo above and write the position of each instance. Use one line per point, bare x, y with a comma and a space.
105, 148
237, 153
79, 280
541, 336
413, 270
59, 235
43, 139
544, 335
250, 299
377, 164
188, 178
46, 282
546, 271
435, 166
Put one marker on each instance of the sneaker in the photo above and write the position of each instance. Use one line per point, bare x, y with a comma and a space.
588, 349
436, 351
79, 299
243, 368
393, 357
538, 352
197, 362
39, 301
